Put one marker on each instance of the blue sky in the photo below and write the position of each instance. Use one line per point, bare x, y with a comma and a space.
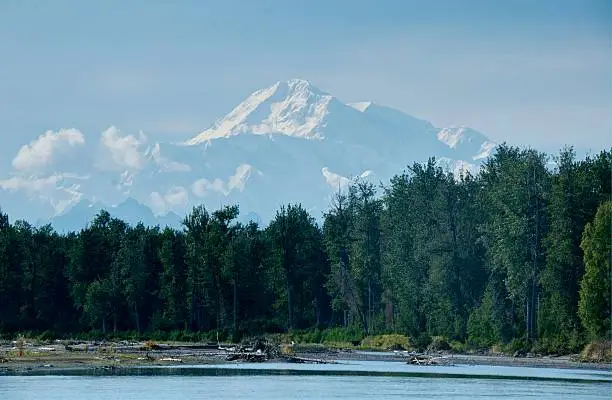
529, 72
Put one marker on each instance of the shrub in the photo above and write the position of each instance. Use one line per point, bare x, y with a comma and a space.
352, 335
597, 352
309, 348
387, 342
339, 345
559, 345
458, 347
518, 347
313, 336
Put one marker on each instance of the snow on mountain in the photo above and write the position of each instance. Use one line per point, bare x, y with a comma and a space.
293, 108
467, 140
486, 148
361, 106
457, 167
288, 143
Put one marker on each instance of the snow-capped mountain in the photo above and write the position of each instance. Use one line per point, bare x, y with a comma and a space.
290, 142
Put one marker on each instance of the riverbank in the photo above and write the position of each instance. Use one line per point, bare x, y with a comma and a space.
113, 355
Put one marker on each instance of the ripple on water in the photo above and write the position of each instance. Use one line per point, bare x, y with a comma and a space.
356, 380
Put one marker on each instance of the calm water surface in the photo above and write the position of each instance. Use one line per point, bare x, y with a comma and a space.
353, 380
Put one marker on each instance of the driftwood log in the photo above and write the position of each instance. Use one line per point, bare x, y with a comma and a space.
302, 360
422, 359
255, 350
261, 350
249, 356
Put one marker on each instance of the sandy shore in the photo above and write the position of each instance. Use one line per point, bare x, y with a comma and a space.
109, 356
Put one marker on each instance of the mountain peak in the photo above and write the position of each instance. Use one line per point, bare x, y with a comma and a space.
301, 87
294, 108
298, 81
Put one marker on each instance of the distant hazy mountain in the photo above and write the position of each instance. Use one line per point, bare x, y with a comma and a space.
132, 212
290, 142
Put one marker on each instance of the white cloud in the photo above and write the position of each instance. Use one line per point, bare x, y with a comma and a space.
239, 179
31, 185
69, 197
175, 199
40, 152
165, 164
51, 189
124, 150
157, 203
126, 181
203, 187
334, 180
177, 196
339, 182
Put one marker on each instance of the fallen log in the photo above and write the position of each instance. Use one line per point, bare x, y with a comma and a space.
171, 359
421, 359
302, 360
256, 356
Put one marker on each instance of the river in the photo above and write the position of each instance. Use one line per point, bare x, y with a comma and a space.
351, 380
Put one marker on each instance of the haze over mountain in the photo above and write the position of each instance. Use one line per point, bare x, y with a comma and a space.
290, 142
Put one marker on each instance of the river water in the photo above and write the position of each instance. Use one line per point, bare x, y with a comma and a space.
351, 380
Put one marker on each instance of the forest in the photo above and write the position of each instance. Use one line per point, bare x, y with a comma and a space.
518, 252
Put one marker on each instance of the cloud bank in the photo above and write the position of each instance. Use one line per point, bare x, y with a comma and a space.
124, 151
41, 152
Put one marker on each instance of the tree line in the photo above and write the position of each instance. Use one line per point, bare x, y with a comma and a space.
521, 251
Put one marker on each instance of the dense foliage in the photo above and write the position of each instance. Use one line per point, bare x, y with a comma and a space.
519, 252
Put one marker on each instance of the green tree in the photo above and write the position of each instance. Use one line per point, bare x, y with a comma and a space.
403, 276
564, 267
171, 314
10, 276
295, 253
97, 303
594, 303
481, 258
219, 238
49, 289
91, 255
130, 261
365, 257
338, 237
516, 186
198, 280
